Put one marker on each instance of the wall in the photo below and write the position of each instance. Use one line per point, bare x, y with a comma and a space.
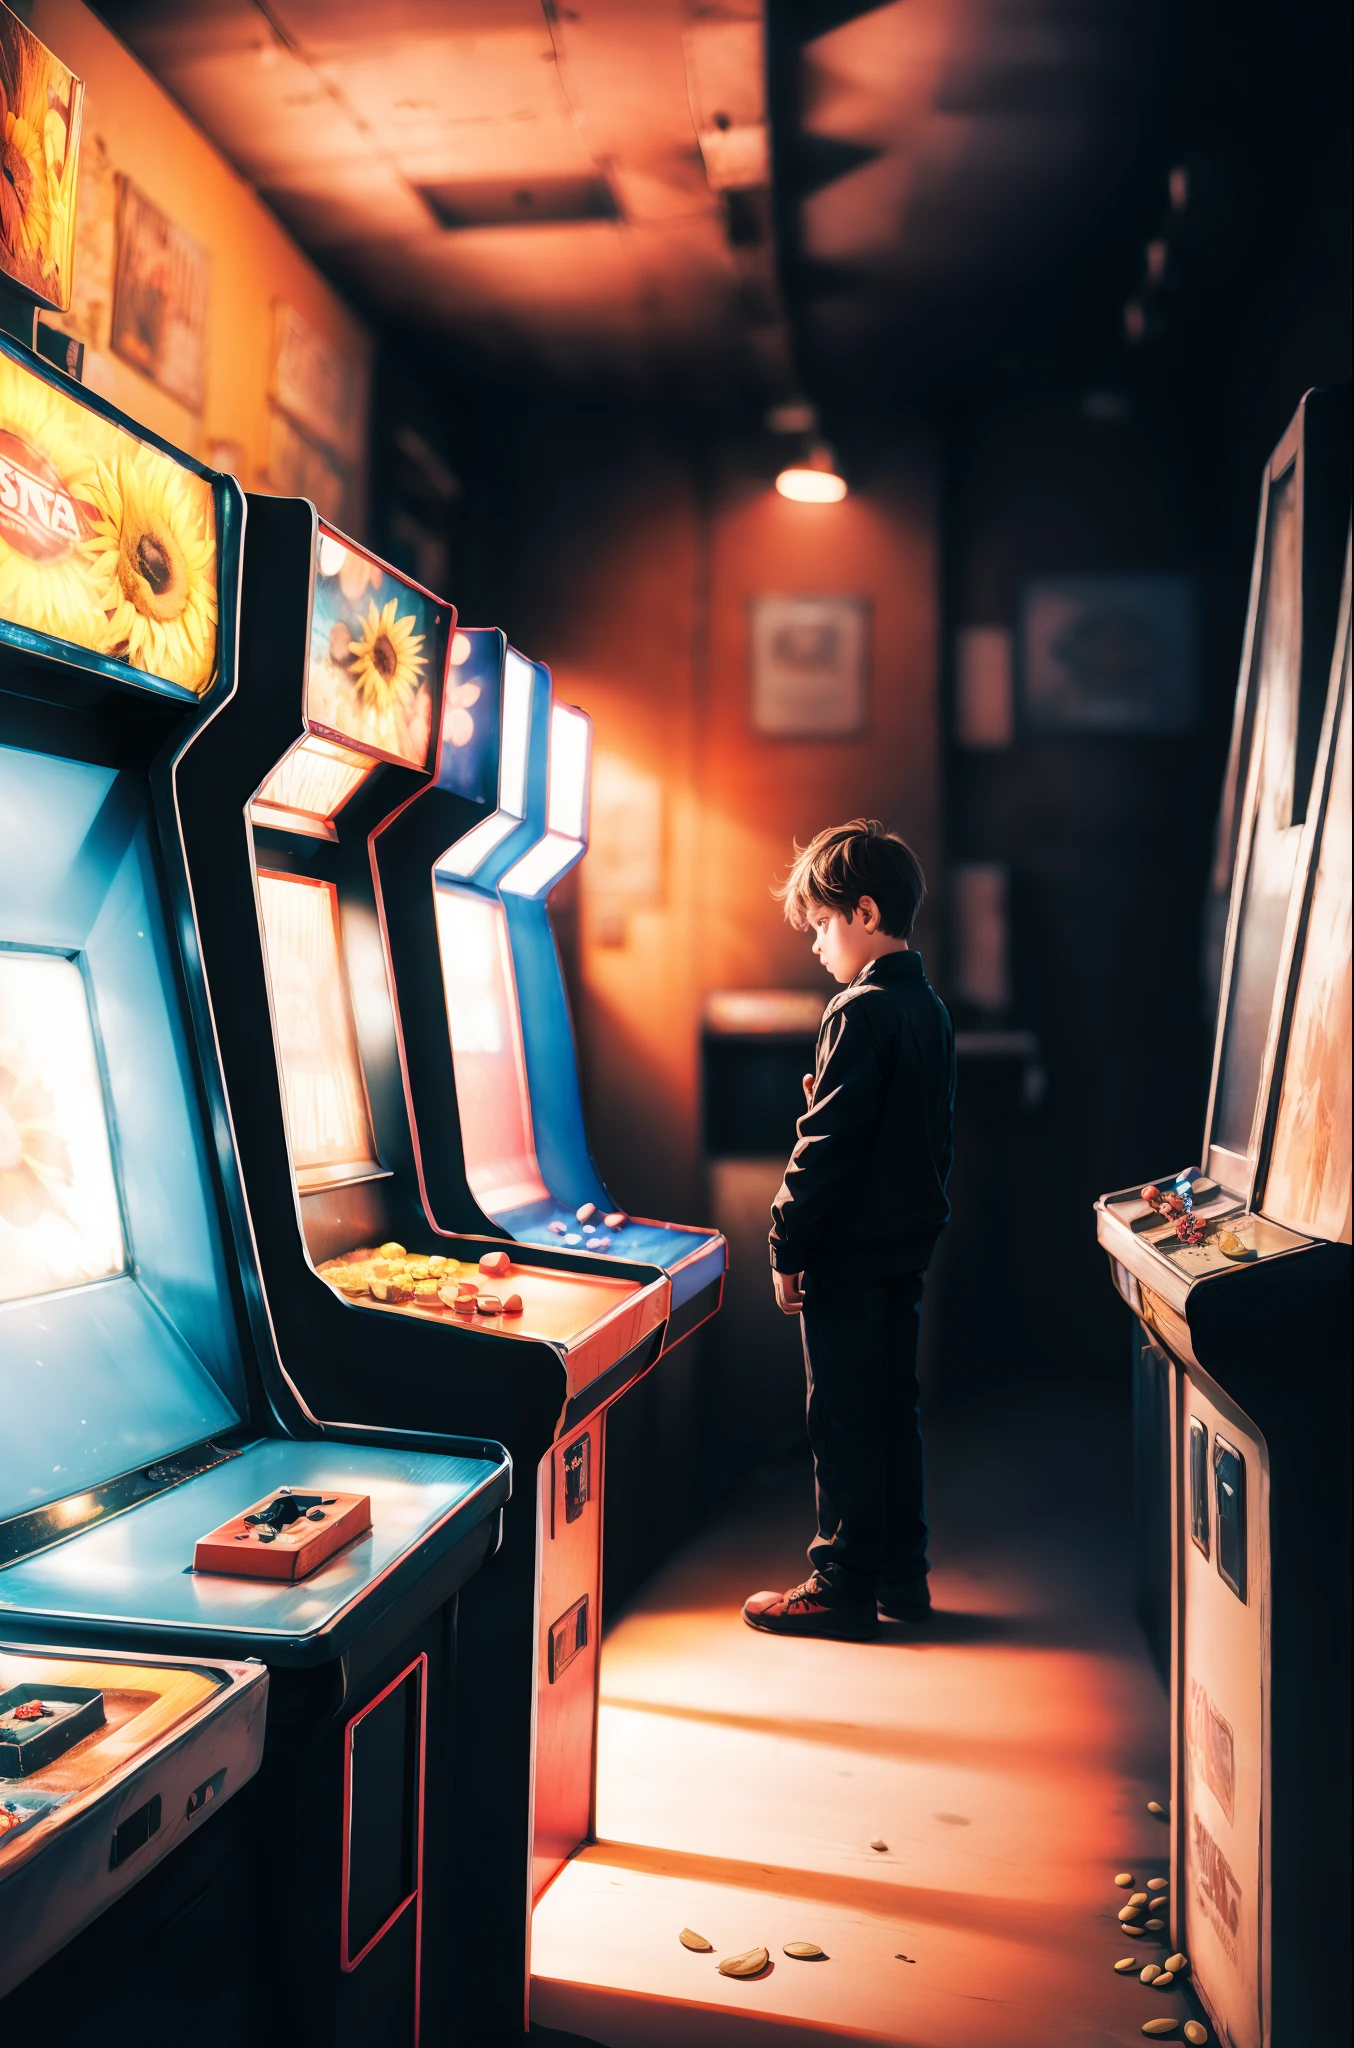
131, 126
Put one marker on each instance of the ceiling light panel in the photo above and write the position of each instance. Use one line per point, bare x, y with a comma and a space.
519, 202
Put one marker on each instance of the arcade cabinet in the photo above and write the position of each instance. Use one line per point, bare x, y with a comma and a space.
1238, 1273
488, 1040
391, 1313
252, 1749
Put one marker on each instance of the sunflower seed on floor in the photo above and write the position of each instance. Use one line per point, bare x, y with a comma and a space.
806, 1951
690, 1939
750, 1964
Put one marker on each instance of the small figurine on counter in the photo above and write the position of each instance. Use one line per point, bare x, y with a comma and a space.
853, 1229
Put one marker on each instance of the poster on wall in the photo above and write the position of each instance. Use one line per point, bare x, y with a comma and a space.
312, 382
40, 103
298, 469
106, 542
90, 316
160, 299
1108, 654
808, 666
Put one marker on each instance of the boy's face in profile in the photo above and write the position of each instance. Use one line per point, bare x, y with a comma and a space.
845, 941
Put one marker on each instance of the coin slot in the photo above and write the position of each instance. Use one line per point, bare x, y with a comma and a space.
1229, 1475
577, 1477
1198, 1484
206, 1794
568, 1638
135, 1832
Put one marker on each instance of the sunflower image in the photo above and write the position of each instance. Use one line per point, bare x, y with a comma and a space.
152, 559
386, 665
34, 1160
44, 580
25, 208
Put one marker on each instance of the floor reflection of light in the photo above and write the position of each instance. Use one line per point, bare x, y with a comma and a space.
1004, 1757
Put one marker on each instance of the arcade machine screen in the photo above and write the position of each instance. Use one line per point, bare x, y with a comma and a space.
327, 1109
60, 1220
484, 1013
1308, 1184
1275, 835
489, 1057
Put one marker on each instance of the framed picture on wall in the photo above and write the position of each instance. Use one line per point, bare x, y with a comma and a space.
311, 383
160, 299
809, 657
1108, 654
298, 469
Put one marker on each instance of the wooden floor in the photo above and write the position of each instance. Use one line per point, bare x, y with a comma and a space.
1006, 1759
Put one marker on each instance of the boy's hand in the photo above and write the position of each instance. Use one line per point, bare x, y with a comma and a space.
789, 1292
808, 1090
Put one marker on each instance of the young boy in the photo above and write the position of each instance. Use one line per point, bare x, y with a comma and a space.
853, 1229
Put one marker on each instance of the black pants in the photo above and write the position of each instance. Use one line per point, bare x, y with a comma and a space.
860, 1357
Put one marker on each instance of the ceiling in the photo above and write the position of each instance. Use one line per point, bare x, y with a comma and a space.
668, 194
965, 182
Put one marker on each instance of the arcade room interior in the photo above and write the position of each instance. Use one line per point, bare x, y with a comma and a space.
675, 1023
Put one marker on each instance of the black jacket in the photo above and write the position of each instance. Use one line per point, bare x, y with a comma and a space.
867, 1176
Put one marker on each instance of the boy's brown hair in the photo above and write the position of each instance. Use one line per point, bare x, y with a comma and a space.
846, 862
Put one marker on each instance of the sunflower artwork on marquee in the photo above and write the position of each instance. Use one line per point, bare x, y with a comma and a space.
40, 102
105, 540
376, 646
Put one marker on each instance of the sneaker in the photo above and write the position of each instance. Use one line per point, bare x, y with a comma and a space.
811, 1610
906, 1603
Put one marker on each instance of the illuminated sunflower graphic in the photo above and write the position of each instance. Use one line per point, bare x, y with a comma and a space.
44, 579
25, 209
153, 562
386, 665
34, 1160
